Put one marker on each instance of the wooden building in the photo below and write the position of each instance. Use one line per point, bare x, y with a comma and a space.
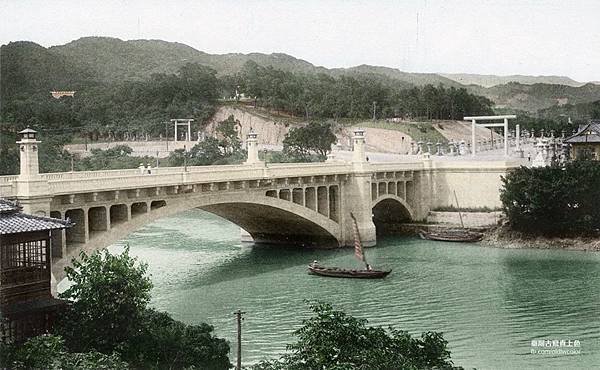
585, 143
27, 307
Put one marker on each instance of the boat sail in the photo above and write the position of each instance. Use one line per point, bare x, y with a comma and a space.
366, 273
358, 249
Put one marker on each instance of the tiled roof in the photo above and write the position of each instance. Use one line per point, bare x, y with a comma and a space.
6, 206
28, 131
35, 305
13, 222
581, 137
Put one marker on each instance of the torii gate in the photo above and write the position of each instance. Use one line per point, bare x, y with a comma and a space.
505, 118
183, 122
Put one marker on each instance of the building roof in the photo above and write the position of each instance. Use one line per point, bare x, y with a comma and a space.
6, 206
588, 133
35, 305
12, 221
28, 131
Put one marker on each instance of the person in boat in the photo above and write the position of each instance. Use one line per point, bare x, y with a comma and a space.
369, 268
314, 263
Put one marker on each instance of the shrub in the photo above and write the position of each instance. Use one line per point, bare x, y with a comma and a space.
49, 352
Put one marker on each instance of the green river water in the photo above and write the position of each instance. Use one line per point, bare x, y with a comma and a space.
490, 303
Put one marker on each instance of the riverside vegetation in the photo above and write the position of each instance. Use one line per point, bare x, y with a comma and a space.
557, 206
109, 325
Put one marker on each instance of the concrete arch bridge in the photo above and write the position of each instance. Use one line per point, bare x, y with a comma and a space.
308, 204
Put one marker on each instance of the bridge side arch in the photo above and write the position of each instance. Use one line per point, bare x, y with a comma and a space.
390, 210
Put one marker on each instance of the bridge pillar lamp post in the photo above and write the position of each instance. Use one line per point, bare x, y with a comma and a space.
30, 185
252, 147
28, 153
358, 153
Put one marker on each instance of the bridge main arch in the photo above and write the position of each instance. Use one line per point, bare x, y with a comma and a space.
390, 210
276, 221
266, 219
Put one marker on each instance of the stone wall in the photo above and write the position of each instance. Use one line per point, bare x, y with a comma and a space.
477, 183
470, 219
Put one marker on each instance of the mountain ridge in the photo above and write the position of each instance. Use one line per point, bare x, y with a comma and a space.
487, 80
113, 60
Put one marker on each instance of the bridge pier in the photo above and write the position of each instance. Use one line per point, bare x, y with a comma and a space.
357, 197
357, 200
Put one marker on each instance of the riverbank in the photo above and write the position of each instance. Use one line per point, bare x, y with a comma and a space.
503, 237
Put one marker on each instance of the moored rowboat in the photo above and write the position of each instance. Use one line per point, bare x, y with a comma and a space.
343, 273
464, 236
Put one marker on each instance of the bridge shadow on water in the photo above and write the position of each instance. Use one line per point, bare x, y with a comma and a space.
256, 259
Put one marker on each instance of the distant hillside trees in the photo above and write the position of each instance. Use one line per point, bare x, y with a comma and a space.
357, 96
577, 112
106, 110
143, 107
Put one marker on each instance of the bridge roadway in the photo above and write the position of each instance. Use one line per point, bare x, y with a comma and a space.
307, 204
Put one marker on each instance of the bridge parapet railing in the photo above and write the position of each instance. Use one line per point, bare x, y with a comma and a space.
115, 180
307, 169
8, 179
7, 188
81, 175
397, 166
92, 181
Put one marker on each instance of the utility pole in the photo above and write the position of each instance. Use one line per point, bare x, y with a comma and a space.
184, 159
238, 315
167, 134
374, 109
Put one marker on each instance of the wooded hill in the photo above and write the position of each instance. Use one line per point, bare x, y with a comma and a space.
106, 59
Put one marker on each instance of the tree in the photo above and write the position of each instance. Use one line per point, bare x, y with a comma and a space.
316, 137
108, 295
331, 339
230, 142
166, 343
108, 313
206, 152
553, 200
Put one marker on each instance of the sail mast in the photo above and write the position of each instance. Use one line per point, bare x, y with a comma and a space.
358, 249
458, 208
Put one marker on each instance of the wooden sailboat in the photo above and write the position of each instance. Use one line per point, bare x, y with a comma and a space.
366, 273
453, 235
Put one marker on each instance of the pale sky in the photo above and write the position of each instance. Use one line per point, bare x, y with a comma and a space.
531, 37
